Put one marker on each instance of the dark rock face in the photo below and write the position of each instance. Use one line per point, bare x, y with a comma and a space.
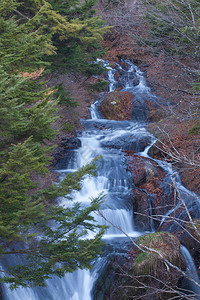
109, 277
142, 169
196, 257
155, 195
188, 233
151, 193
121, 79
70, 143
64, 152
1, 292
128, 142
139, 109
142, 215
117, 106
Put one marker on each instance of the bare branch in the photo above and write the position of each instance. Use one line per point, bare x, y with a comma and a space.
22, 15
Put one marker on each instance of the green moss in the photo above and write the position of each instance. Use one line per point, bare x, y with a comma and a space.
148, 262
141, 258
149, 238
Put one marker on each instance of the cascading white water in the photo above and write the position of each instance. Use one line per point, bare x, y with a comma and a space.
113, 180
183, 193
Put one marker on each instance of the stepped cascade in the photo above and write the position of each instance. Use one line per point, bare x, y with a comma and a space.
109, 139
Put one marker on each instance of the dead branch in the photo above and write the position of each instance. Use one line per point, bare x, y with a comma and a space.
177, 156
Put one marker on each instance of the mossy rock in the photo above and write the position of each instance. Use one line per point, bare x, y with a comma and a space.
149, 274
117, 106
149, 262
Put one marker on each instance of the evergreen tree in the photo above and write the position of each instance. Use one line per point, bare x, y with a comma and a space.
49, 239
71, 30
23, 111
55, 237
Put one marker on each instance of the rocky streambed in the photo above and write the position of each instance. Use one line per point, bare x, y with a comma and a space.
153, 191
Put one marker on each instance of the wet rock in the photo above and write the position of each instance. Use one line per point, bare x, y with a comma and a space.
189, 236
109, 272
153, 192
117, 106
63, 153
108, 279
139, 109
187, 231
123, 78
142, 169
1, 292
124, 65
117, 75
105, 124
135, 81
128, 142
156, 153
70, 143
196, 257
142, 216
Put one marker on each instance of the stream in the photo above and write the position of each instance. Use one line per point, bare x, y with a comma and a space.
109, 139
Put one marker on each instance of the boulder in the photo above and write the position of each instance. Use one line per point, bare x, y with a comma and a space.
188, 232
168, 247
135, 276
117, 106
149, 273
109, 273
142, 169
153, 264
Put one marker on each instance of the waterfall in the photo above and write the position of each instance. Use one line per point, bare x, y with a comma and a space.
113, 180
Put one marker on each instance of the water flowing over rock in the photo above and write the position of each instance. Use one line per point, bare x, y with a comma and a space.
128, 142
131, 182
109, 279
152, 193
187, 231
194, 283
124, 277
63, 152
